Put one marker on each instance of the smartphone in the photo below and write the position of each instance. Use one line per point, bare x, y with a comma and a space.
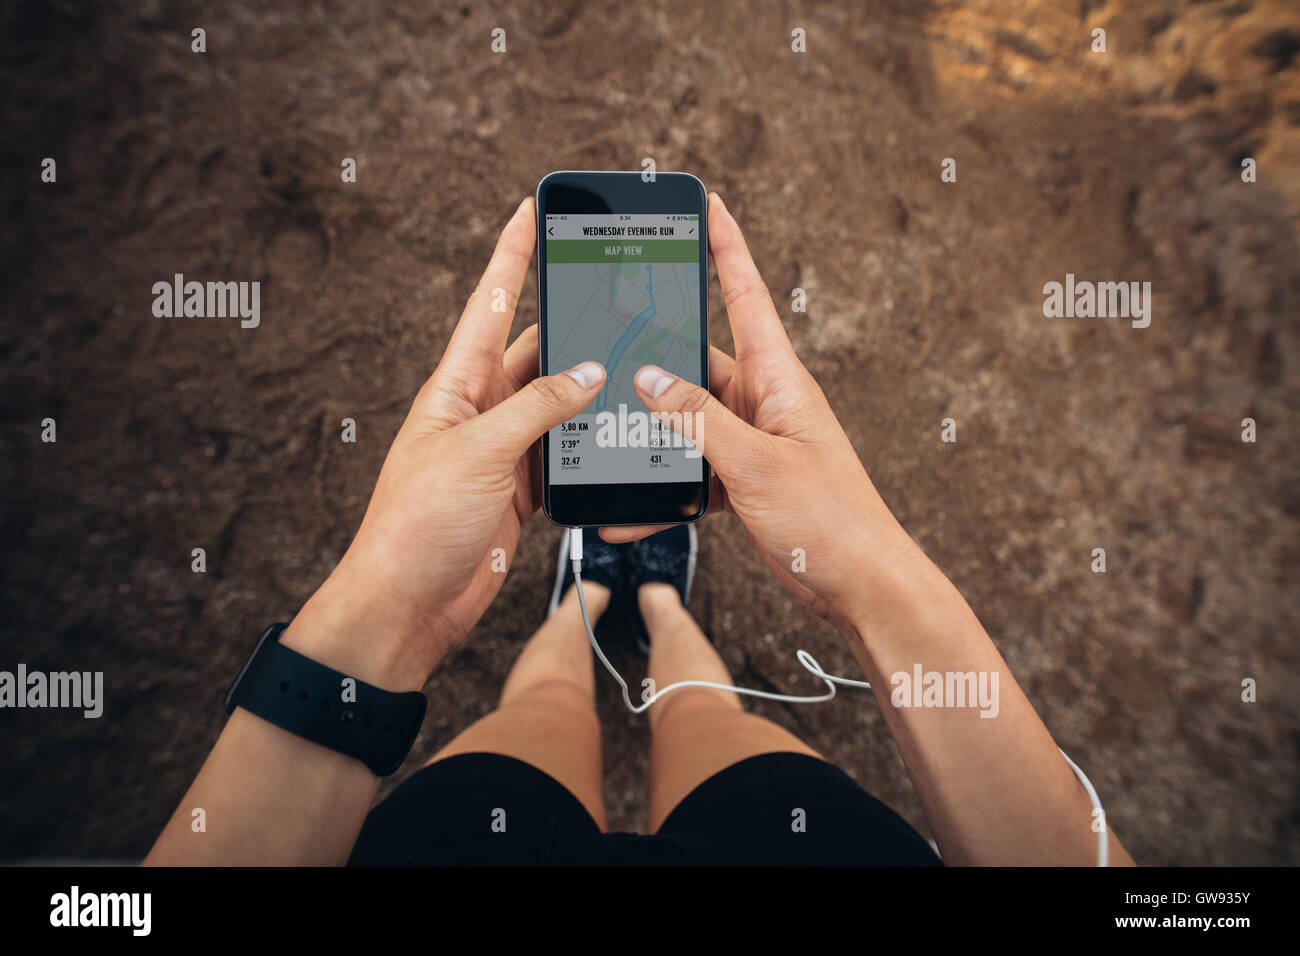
622, 280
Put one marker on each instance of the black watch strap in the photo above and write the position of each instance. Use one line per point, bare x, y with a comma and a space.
311, 700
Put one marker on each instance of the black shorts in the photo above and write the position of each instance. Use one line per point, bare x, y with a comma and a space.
774, 809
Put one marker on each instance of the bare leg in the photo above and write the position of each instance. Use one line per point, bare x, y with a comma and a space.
696, 731
547, 714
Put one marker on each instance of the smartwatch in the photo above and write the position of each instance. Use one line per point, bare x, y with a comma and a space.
315, 702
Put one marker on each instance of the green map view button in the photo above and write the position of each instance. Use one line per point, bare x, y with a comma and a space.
622, 250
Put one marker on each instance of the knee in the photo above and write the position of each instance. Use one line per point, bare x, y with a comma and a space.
552, 703
693, 705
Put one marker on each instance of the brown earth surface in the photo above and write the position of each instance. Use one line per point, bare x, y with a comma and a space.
925, 302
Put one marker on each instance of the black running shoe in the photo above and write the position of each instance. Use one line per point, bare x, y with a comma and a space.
603, 563
667, 556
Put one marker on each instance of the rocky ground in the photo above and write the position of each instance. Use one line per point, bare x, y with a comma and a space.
925, 302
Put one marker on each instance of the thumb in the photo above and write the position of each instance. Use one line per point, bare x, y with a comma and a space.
541, 405
694, 413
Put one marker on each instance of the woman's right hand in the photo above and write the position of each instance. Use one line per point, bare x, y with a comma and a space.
780, 458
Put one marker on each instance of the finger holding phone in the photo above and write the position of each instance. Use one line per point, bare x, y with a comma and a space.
460, 480
783, 462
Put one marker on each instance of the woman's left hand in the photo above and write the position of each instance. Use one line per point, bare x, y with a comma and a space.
460, 480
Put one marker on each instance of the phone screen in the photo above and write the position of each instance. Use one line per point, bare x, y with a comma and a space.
623, 289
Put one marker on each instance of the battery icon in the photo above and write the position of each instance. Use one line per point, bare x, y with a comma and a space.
692, 217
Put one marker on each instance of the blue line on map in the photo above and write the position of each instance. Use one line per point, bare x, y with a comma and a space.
629, 335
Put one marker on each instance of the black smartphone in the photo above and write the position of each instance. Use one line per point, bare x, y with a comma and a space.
623, 280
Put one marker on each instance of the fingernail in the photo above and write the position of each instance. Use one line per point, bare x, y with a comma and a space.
653, 380
588, 374
722, 205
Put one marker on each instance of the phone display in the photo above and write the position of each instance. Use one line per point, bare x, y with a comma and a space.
623, 282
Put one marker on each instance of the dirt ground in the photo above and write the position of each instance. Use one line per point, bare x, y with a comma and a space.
925, 302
